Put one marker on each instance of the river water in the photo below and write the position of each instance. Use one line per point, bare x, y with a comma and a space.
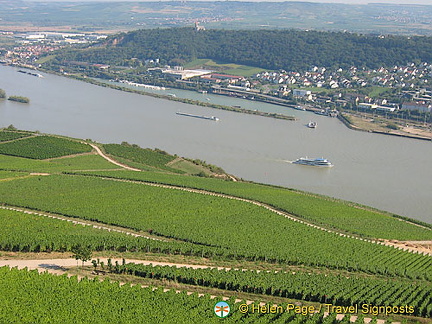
389, 173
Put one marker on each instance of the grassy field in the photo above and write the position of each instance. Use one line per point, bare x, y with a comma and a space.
45, 59
5, 175
158, 160
227, 68
189, 168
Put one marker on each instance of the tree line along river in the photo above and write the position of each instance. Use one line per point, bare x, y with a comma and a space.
384, 172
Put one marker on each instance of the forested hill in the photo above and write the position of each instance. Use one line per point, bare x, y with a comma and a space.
269, 49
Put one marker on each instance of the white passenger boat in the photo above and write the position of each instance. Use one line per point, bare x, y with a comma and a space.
321, 162
312, 124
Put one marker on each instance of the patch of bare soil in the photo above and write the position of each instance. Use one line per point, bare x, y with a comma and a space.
415, 246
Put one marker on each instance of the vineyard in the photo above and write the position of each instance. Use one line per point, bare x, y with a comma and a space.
25, 232
80, 162
58, 299
43, 147
253, 232
21, 232
142, 157
9, 136
320, 210
328, 289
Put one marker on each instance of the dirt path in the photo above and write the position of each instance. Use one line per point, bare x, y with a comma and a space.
414, 246
98, 150
62, 265
70, 156
80, 222
177, 159
19, 139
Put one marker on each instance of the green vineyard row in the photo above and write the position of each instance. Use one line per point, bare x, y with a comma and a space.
320, 210
322, 288
24, 232
30, 297
147, 157
43, 147
9, 136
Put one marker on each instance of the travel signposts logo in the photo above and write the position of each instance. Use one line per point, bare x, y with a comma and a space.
222, 309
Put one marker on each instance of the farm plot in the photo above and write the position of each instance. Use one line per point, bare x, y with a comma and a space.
43, 147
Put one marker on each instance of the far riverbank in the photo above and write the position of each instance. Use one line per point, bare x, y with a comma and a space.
378, 126
173, 98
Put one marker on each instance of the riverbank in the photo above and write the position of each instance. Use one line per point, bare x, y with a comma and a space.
367, 124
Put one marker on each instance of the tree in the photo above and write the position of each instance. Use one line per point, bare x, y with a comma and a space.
2, 94
11, 128
82, 253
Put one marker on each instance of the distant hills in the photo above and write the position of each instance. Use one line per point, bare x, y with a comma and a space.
96, 16
267, 49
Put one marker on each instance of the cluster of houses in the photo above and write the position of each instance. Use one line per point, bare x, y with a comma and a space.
418, 100
31, 46
412, 80
408, 76
55, 38
296, 84
27, 53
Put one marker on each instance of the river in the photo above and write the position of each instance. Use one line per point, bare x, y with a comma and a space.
389, 173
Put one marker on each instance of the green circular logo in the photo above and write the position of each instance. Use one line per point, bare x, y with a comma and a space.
222, 309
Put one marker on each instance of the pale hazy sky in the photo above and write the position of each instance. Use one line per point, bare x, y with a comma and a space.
424, 2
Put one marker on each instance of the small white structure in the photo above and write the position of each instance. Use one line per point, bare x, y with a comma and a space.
305, 94
364, 105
